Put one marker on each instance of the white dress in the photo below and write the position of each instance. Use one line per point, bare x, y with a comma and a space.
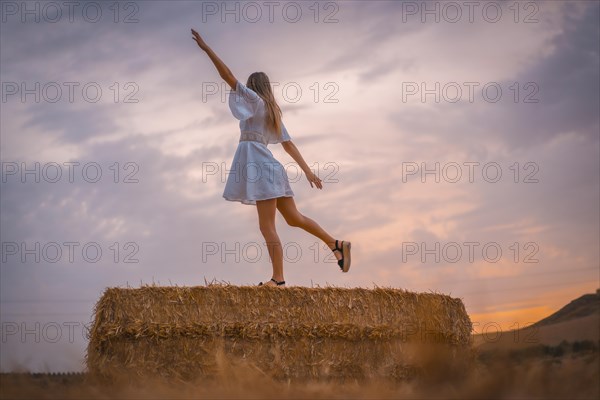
254, 173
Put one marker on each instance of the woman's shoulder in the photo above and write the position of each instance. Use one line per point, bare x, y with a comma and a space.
244, 102
245, 91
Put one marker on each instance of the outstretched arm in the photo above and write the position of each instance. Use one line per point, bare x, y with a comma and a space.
293, 151
223, 70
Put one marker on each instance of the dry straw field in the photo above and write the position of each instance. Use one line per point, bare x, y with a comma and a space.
225, 342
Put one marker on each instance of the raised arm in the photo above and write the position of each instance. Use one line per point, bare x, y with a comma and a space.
293, 151
223, 70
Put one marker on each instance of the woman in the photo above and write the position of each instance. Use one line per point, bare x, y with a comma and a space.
257, 178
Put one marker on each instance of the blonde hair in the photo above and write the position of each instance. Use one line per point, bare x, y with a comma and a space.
259, 83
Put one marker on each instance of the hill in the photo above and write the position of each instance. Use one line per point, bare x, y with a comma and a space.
577, 321
588, 304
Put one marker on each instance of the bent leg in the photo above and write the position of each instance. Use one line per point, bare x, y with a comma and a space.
287, 208
266, 222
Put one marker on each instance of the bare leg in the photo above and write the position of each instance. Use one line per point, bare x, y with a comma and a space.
266, 221
287, 208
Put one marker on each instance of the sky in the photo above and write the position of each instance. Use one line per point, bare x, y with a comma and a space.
458, 144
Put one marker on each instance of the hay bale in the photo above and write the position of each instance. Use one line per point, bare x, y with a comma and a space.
290, 333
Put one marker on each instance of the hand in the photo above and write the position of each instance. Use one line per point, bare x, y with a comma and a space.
312, 178
199, 40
